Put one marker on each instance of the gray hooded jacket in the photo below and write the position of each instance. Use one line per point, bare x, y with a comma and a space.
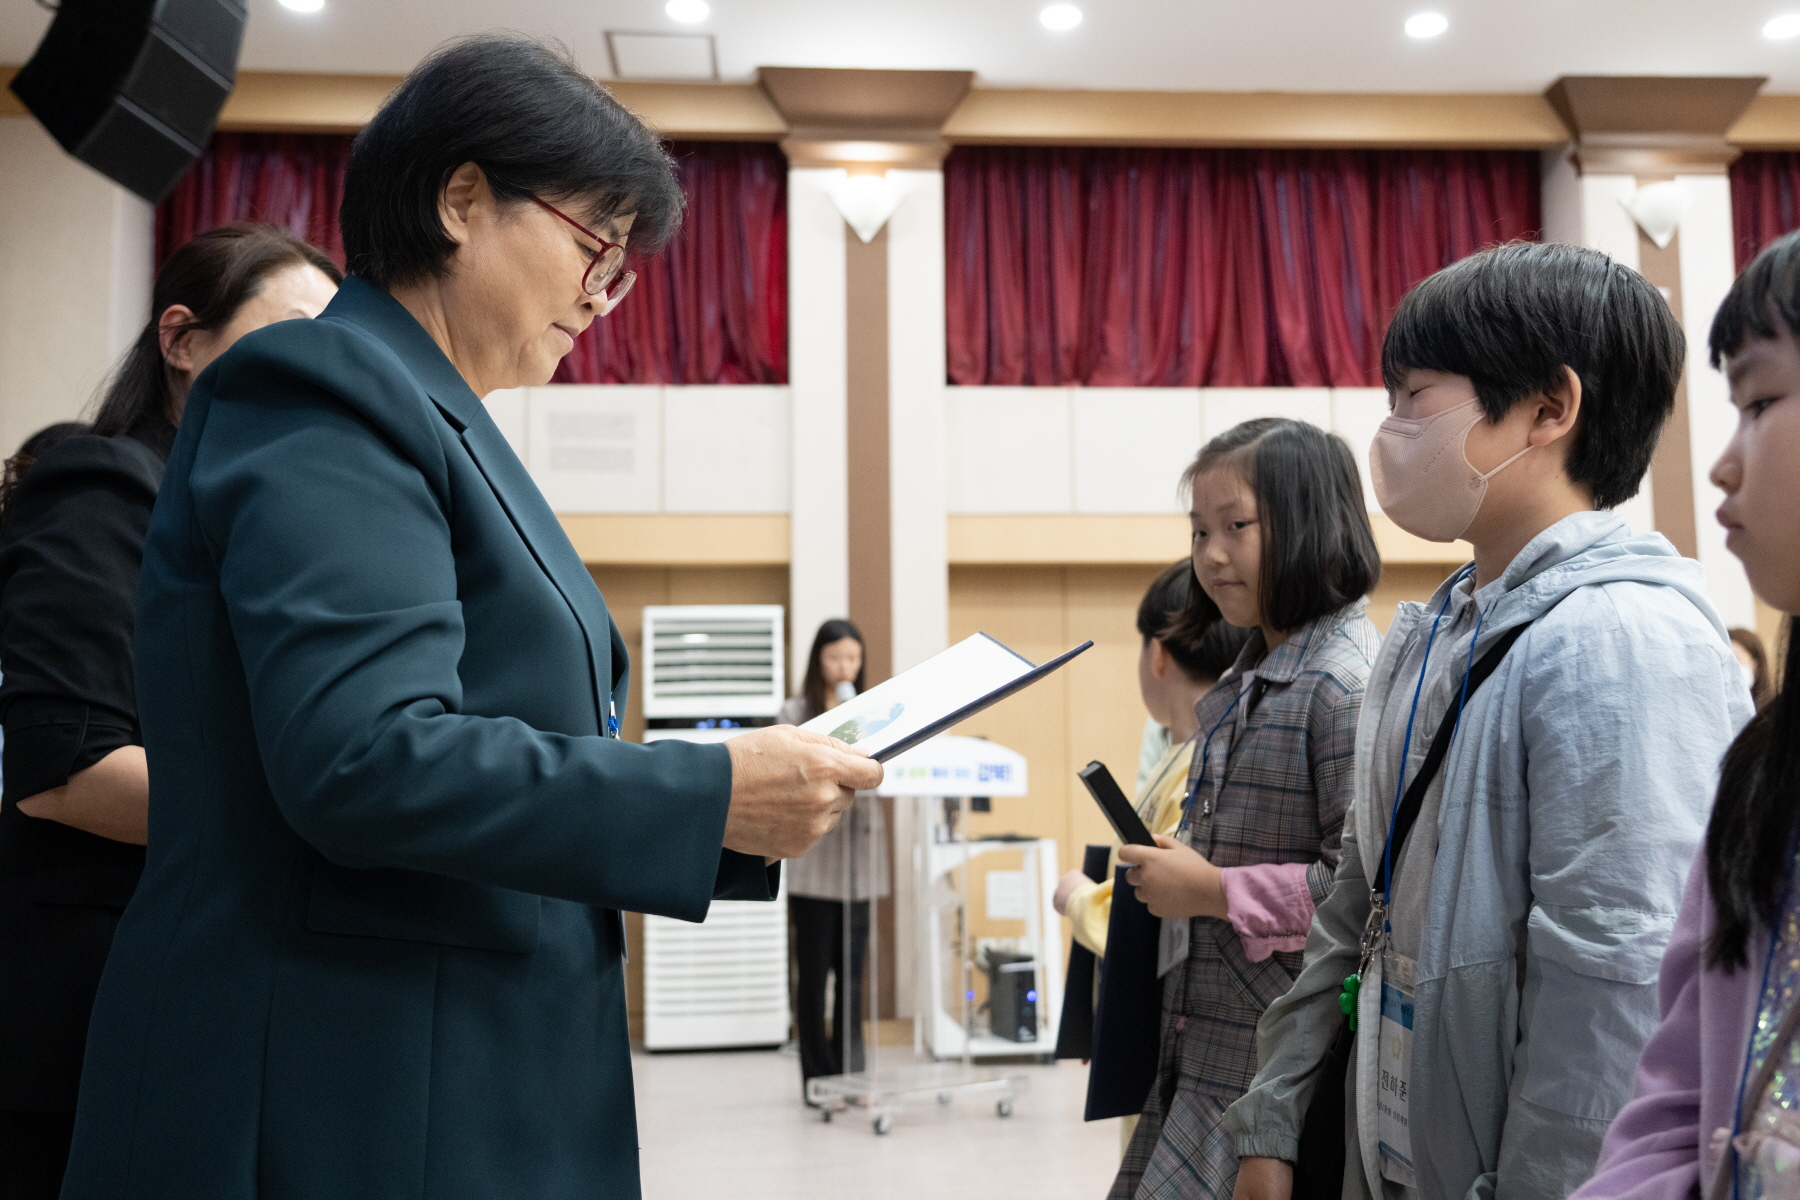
1574, 796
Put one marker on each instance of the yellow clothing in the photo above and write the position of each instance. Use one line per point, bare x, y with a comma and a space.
1159, 804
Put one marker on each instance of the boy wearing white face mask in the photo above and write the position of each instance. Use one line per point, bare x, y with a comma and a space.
1536, 747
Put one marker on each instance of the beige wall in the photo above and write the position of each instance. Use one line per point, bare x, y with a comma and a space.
74, 280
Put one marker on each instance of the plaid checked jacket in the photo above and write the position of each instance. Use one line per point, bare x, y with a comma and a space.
1271, 782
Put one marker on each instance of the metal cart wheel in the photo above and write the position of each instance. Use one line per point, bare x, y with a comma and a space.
825, 1113
945, 1097
883, 1122
1003, 1107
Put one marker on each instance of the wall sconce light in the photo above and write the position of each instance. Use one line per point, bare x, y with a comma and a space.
866, 201
1658, 209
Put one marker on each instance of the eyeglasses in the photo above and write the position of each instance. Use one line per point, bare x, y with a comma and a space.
603, 277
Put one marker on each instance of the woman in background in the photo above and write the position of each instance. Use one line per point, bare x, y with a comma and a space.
848, 866
74, 811
1282, 546
1747, 645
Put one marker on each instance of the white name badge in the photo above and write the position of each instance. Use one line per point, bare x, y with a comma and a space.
1394, 1061
1172, 944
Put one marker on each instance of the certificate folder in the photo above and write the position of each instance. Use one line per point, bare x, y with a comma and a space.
893, 717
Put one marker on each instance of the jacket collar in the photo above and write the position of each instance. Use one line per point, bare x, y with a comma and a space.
1285, 662
364, 304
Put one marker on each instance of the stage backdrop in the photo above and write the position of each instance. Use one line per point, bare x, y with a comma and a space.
710, 309
1765, 200
1210, 268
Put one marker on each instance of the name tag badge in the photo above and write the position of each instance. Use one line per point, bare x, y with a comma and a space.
1393, 1097
1172, 944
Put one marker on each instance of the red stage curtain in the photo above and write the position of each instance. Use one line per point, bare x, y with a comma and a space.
1222, 268
710, 309
293, 180
1765, 200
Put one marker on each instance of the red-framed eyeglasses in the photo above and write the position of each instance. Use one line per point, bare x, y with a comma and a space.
604, 277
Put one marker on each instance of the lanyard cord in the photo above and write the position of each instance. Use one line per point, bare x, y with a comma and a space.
1187, 807
1737, 1115
1387, 851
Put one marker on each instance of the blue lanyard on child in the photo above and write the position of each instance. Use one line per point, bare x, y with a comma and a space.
1737, 1112
1187, 807
1387, 851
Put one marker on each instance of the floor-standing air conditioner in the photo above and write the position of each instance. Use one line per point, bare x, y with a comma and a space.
708, 670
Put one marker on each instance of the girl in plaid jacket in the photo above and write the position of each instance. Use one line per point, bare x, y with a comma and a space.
1281, 543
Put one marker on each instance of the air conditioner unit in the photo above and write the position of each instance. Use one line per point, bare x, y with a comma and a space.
705, 661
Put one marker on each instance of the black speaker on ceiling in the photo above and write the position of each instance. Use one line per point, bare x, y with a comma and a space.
133, 88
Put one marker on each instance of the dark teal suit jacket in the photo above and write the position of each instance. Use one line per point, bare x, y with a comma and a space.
376, 949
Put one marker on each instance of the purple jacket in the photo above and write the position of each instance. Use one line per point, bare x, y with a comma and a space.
1665, 1143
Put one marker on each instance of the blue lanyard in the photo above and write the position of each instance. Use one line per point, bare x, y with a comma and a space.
1387, 851
1187, 808
1737, 1114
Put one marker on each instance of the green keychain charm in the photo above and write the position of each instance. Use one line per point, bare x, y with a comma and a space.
1347, 998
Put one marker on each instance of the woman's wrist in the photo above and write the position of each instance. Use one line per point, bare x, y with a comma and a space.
1212, 893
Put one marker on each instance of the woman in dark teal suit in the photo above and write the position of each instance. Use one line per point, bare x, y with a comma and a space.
376, 949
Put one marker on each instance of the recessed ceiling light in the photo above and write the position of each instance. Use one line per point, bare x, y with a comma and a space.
1060, 17
688, 12
303, 6
1426, 25
1787, 25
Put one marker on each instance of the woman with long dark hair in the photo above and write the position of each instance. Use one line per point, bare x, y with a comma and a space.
74, 812
1717, 1105
845, 870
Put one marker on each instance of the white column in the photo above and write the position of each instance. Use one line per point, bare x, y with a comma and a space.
819, 562
1707, 269
74, 280
916, 431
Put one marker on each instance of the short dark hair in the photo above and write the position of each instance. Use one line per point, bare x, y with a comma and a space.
1318, 552
1512, 317
1768, 289
1177, 612
834, 630
212, 275
521, 110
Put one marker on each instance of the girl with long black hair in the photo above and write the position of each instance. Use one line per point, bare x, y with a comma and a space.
1717, 1104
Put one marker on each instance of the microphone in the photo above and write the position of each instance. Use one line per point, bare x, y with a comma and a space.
846, 691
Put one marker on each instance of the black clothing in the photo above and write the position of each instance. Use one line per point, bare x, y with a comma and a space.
70, 548
818, 953
34, 1148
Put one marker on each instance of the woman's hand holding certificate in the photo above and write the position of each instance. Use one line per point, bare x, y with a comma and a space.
788, 787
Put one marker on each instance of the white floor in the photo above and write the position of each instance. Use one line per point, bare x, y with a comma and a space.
733, 1125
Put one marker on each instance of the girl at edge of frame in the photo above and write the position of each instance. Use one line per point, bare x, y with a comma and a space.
1710, 1114
1282, 546
1181, 659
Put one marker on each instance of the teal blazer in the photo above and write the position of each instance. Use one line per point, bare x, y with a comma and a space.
376, 949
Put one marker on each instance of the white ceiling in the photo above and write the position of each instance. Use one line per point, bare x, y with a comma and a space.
1208, 45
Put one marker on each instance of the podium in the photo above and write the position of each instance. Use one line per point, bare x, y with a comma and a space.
987, 897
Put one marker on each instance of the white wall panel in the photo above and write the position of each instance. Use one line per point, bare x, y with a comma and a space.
1356, 413
1221, 408
917, 470
507, 408
1605, 225
725, 450
1130, 446
819, 570
1009, 450
1707, 269
597, 449
74, 280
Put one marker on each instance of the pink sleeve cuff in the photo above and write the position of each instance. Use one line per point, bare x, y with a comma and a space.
1269, 905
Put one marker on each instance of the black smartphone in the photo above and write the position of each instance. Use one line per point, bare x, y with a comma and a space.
1124, 819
